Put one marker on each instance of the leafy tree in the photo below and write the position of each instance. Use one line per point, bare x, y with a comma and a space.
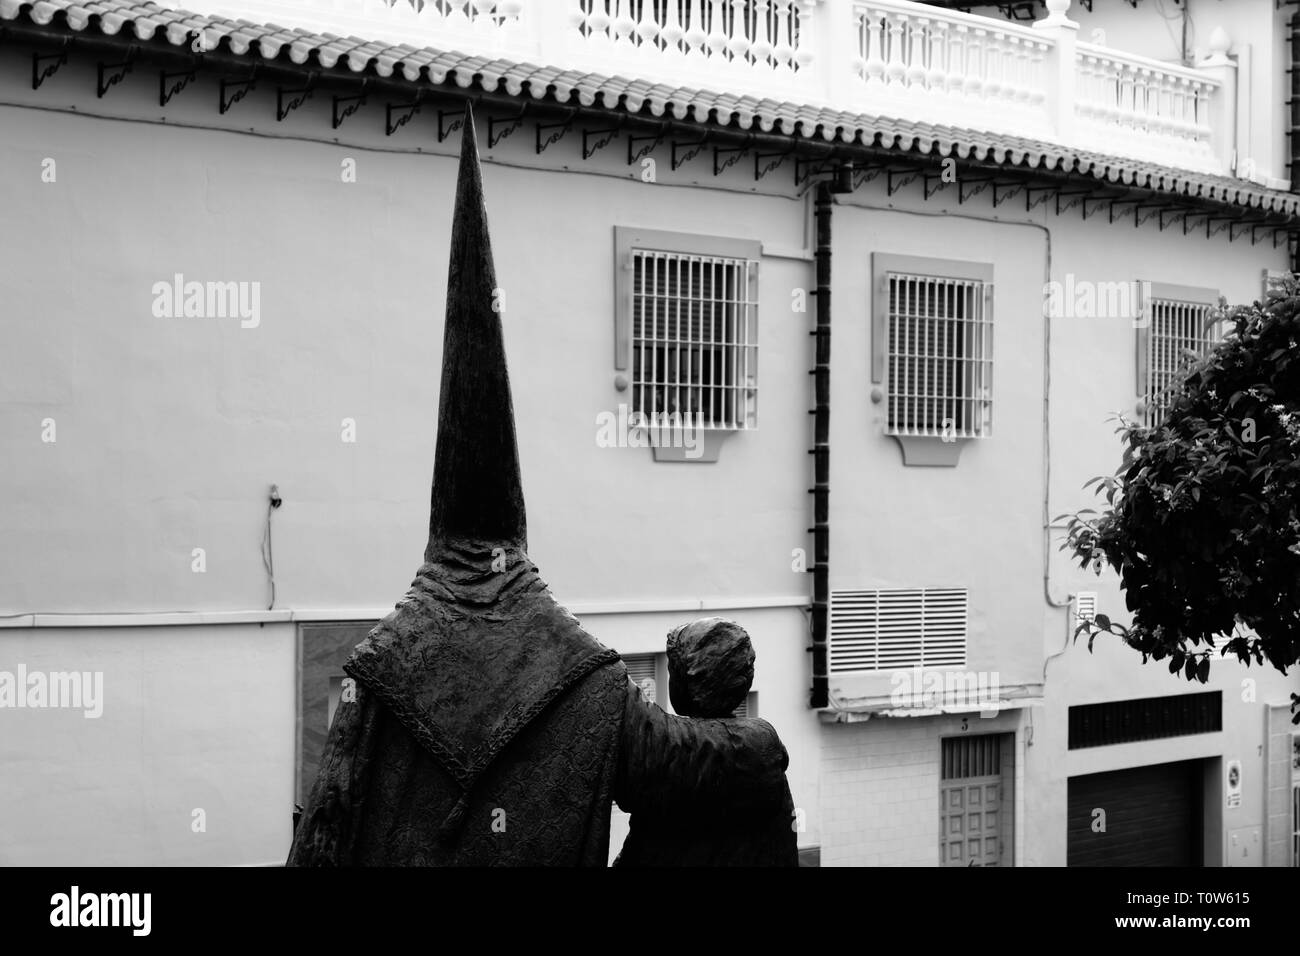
1202, 522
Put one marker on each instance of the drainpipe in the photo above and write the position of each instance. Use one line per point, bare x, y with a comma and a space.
821, 451
1294, 126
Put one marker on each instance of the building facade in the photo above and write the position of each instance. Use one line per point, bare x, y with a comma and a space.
225, 249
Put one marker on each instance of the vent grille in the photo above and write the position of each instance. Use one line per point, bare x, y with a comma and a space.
1085, 608
643, 669
894, 629
1147, 718
748, 707
1177, 326
695, 339
966, 757
940, 357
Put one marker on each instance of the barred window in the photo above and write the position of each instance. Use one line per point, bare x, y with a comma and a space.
1179, 326
932, 353
693, 331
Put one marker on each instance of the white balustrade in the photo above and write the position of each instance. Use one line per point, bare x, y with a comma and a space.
922, 62
884, 58
1143, 107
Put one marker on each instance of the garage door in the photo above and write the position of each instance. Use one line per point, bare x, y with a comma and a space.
1152, 817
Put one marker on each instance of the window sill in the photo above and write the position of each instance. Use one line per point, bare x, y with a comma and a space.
699, 446
930, 451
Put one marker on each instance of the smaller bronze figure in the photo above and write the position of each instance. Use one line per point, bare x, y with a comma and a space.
710, 670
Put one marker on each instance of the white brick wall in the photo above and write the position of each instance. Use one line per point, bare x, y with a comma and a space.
880, 788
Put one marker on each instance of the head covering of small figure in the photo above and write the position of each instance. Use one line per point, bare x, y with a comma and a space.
710, 667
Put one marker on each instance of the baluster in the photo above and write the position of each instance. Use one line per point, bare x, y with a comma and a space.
974, 64
875, 60
1085, 94
916, 53
1201, 124
1036, 78
937, 78
957, 60
896, 70
622, 24
1020, 68
803, 41
597, 19
762, 48
783, 52
738, 42
456, 17
647, 29
672, 31
717, 29
993, 66
695, 34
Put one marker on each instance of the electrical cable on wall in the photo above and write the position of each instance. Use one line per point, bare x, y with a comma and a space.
268, 555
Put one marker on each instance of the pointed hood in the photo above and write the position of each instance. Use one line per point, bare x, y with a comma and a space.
478, 647
477, 493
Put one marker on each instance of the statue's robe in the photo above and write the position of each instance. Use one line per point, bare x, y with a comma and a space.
490, 729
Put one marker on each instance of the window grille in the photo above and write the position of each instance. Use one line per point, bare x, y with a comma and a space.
940, 356
894, 629
1177, 326
694, 339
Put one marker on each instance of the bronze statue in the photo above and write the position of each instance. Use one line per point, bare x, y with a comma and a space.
489, 728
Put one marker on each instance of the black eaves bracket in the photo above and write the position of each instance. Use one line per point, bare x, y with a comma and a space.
1152, 211
1175, 215
594, 140
905, 176
765, 163
350, 105
407, 113
733, 155
44, 67
806, 169
868, 174
169, 84
1099, 201
1044, 193
1010, 189
931, 183
978, 186
232, 91
689, 150
110, 74
1072, 198
554, 132
295, 98
1223, 222
508, 126
634, 152
445, 129
1254, 233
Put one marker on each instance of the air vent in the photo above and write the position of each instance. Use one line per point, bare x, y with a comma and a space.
893, 629
1148, 718
1085, 609
643, 669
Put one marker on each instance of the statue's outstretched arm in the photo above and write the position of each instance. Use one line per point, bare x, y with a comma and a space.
671, 765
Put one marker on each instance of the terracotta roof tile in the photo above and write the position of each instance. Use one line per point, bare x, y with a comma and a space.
146, 20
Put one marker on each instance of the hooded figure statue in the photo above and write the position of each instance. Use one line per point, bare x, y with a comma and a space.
488, 728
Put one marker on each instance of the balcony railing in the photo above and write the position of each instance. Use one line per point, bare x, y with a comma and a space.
886, 58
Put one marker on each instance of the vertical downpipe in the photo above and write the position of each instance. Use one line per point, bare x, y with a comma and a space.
821, 452
1294, 125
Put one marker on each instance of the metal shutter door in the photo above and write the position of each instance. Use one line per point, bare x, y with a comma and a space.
1153, 817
